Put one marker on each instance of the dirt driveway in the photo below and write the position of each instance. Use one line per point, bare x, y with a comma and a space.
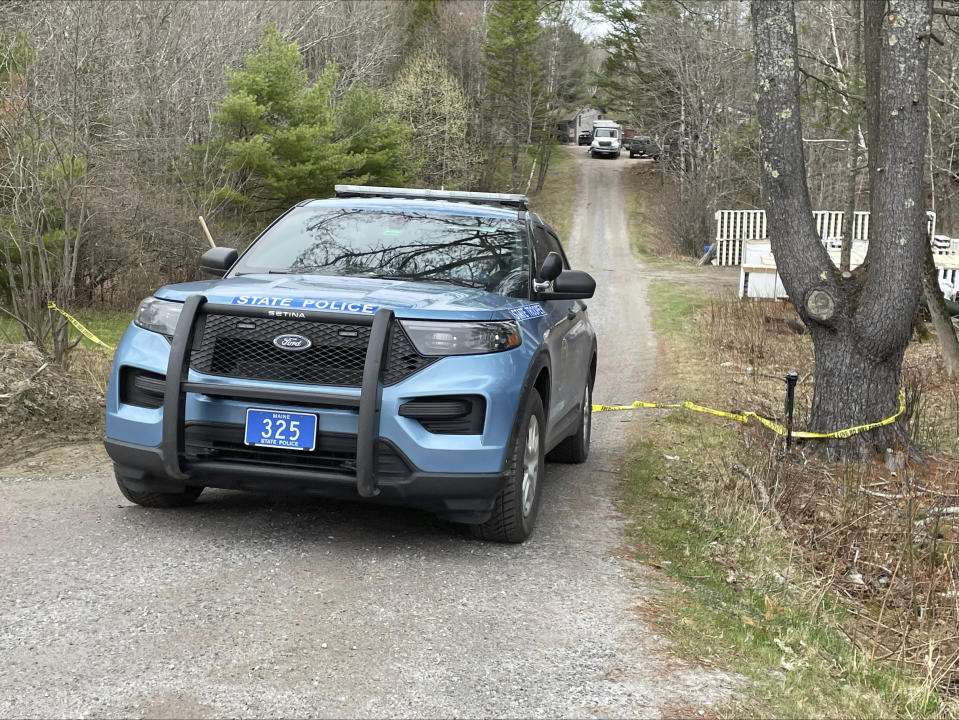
245, 606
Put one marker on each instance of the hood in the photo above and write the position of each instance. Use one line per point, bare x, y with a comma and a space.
407, 299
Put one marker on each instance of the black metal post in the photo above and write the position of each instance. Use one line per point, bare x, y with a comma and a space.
792, 377
368, 414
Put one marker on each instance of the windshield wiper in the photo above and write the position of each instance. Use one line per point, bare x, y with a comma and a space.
360, 272
423, 278
306, 271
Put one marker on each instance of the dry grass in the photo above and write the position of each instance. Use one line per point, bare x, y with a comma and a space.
91, 368
644, 198
556, 202
884, 541
41, 403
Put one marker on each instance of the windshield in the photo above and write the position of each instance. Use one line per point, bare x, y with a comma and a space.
488, 253
606, 132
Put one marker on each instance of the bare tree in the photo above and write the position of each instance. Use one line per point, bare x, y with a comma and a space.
429, 98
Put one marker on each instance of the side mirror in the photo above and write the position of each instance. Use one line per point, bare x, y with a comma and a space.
216, 261
552, 267
571, 285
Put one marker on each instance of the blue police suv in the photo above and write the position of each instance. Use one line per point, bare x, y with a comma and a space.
424, 348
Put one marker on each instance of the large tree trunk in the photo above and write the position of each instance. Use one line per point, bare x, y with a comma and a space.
860, 325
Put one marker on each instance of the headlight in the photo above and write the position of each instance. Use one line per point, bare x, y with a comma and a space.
158, 315
461, 338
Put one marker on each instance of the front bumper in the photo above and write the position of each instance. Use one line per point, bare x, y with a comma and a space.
458, 497
604, 150
372, 449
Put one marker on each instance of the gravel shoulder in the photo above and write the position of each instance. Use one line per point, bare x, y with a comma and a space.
244, 606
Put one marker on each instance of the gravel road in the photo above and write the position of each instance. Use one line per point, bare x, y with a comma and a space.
242, 606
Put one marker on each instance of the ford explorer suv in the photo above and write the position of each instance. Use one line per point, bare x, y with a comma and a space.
420, 348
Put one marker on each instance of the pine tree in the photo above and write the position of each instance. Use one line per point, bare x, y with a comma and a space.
289, 139
513, 74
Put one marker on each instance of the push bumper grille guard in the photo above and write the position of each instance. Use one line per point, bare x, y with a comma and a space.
367, 404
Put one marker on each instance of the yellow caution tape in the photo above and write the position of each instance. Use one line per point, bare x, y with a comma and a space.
741, 417
772, 425
79, 326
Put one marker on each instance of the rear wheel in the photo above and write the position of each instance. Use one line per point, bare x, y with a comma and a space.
160, 499
575, 448
516, 507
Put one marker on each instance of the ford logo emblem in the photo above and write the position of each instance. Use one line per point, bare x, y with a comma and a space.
292, 342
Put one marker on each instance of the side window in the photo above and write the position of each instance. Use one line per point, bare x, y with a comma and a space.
554, 246
542, 245
545, 242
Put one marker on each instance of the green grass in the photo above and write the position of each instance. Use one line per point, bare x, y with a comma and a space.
108, 325
673, 304
741, 601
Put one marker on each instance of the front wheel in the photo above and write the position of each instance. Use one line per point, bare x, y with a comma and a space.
575, 448
516, 507
187, 496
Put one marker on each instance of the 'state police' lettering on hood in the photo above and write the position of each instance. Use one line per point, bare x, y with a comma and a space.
341, 306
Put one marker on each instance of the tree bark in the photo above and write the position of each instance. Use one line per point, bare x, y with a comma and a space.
860, 326
872, 14
852, 154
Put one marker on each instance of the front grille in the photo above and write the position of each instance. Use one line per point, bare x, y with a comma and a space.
333, 453
242, 347
606, 143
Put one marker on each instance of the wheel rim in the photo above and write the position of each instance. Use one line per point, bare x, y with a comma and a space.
530, 464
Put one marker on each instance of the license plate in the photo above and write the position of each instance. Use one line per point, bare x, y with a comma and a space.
279, 429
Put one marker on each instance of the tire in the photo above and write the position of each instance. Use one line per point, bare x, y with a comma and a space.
575, 448
516, 506
160, 499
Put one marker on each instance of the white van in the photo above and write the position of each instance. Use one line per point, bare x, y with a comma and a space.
607, 138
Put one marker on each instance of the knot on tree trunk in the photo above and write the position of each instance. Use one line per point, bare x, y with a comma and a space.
821, 303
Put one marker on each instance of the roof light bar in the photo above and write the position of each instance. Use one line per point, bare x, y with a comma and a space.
508, 200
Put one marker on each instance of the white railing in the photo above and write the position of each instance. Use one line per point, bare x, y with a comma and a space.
733, 227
